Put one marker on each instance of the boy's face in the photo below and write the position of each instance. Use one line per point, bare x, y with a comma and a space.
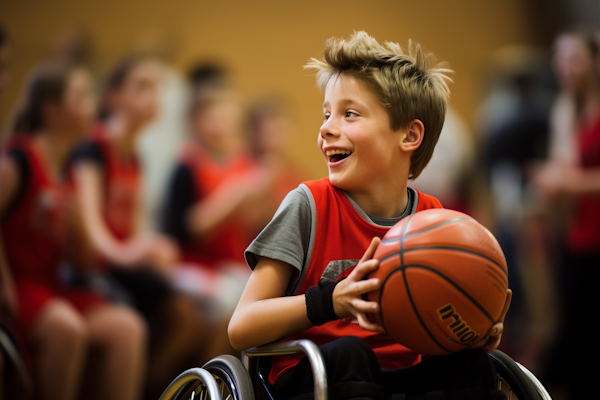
362, 152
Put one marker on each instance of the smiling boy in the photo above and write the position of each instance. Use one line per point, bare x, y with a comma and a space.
383, 113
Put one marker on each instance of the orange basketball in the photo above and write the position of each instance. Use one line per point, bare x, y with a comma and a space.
443, 281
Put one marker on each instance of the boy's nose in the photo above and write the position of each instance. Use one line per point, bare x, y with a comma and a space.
329, 128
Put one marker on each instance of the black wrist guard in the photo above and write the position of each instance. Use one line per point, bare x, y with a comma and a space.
319, 303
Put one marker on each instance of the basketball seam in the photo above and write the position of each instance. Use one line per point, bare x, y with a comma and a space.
457, 286
416, 311
404, 228
452, 248
401, 264
401, 269
388, 240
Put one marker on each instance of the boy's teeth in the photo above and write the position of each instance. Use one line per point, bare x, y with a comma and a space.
336, 151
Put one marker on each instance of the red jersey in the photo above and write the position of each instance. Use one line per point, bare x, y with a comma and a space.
33, 232
342, 234
121, 186
584, 230
230, 240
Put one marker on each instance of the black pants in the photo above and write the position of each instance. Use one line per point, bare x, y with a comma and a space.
354, 372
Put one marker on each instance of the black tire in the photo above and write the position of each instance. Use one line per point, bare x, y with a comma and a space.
231, 371
520, 383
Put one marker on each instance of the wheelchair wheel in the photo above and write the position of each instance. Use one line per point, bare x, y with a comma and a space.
232, 378
195, 383
516, 381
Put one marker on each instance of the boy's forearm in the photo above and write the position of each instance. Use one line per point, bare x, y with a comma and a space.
267, 321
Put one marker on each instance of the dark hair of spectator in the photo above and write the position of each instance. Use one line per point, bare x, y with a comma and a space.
46, 84
117, 77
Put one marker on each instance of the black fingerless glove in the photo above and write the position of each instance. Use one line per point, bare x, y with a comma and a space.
319, 303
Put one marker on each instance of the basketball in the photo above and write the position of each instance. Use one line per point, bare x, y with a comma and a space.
443, 281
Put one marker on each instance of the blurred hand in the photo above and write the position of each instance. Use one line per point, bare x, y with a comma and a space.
348, 294
491, 340
546, 180
163, 253
260, 182
555, 179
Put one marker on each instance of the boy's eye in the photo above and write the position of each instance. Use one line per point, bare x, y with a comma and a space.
326, 116
350, 114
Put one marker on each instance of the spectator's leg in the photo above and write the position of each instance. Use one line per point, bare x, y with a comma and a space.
60, 339
120, 335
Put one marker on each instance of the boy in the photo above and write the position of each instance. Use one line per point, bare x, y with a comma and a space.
383, 113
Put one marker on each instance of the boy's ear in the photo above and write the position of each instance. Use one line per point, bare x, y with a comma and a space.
412, 137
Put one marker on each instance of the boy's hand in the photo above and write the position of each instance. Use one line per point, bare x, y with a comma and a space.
348, 294
490, 342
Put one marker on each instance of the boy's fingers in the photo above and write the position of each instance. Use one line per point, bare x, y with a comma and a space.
365, 286
491, 345
365, 306
496, 329
371, 250
491, 339
363, 268
480, 343
365, 323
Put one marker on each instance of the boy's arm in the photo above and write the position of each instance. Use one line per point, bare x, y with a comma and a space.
263, 315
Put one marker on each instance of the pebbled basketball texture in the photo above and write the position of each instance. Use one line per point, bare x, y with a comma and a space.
444, 281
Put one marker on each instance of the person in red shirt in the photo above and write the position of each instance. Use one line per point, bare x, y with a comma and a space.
209, 202
383, 113
218, 172
41, 228
137, 263
577, 179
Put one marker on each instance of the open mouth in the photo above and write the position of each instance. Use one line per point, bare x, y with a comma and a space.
337, 155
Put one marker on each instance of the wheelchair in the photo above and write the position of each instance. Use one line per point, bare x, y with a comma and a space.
227, 378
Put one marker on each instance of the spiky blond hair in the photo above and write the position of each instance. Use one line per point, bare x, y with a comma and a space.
409, 85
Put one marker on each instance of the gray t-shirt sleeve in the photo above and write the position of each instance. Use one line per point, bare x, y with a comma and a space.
287, 237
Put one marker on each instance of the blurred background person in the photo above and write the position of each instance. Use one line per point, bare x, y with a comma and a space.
513, 123
107, 178
451, 163
270, 129
575, 176
41, 226
160, 140
208, 195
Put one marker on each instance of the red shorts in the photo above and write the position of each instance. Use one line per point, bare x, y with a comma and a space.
33, 295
